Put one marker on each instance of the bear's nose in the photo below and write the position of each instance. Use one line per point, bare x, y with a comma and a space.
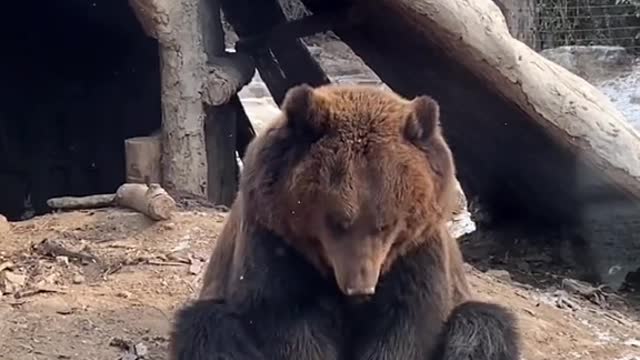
361, 291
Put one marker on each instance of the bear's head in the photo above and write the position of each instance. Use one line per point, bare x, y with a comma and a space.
352, 177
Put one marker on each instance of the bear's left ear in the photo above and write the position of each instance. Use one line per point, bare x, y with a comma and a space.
423, 119
299, 108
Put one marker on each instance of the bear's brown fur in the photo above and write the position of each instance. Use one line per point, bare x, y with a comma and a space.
359, 182
413, 193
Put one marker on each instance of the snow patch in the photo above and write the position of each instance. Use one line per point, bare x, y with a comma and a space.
624, 92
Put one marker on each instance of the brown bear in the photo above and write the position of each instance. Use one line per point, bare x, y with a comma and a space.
336, 246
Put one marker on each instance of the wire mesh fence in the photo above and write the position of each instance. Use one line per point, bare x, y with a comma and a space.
588, 22
559, 22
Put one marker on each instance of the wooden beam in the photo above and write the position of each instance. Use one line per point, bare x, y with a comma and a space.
286, 62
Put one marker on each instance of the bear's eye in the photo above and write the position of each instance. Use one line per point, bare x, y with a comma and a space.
383, 228
338, 225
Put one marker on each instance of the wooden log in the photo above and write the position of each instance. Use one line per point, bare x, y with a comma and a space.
226, 76
151, 200
143, 159
179, 30
286, 62
81, 202
535, 142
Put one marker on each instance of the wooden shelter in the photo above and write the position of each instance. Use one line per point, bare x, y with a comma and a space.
535, 143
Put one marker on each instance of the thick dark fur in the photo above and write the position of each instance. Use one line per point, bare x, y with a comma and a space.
345, 196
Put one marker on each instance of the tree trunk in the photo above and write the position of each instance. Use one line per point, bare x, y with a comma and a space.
199, 81
530, 138
520, 16
178, 28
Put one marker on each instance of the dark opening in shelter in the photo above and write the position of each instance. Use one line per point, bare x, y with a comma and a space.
78, 77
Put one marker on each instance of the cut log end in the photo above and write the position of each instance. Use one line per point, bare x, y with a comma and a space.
226, 76
152, 200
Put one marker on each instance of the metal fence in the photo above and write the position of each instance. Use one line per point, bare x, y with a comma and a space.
588, 22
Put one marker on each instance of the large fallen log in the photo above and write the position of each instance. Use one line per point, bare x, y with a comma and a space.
535, 142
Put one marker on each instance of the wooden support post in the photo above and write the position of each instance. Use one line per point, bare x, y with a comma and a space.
198, 80
228, 73
178, 28
222, 179
286, 62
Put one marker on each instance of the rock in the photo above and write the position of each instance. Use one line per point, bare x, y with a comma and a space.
499, 274
523, 266
129, 356
124, 294
315, 50
5, 225
461, 223
62, 260
16, 279
12, 282
78, 279
141, 349
593, 63
59, 306
168, 226
196, 267
6, 265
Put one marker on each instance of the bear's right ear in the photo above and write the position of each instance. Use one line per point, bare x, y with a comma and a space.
423, 120
299, 108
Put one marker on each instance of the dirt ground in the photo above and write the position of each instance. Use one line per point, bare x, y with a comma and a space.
104, 284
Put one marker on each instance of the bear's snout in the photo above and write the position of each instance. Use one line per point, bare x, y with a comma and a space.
357, 277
